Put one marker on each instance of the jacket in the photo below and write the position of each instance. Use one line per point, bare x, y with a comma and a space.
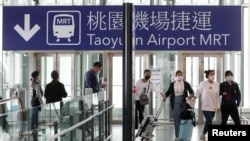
233, 91
54, 92
90, 81
170, 91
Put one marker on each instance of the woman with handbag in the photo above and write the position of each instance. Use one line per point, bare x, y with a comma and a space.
143, 87
178, 92
36, 100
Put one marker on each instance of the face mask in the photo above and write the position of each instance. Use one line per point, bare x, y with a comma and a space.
229, 78
179, 78
147, 77
211, 77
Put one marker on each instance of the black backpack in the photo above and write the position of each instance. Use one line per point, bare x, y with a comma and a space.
187, 112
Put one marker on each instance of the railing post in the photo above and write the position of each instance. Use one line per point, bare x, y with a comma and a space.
82, 115
92, 122
106, 120
71, 122
108, 117
101, 135
35, 135
55, 129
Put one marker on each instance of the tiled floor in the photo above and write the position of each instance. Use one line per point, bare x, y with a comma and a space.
161, 133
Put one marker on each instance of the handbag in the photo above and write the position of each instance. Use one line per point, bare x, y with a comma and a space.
144, 100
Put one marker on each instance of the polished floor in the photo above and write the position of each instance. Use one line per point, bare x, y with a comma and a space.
161, 133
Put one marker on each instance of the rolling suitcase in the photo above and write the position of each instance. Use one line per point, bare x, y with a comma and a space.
187, 122
186, 130
148, 124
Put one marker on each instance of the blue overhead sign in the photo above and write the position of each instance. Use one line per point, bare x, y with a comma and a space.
100, 28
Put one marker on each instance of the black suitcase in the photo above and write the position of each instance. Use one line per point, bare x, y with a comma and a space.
148, 124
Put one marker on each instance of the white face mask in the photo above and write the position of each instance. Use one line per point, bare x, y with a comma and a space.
211, 77
179, 78
229, 78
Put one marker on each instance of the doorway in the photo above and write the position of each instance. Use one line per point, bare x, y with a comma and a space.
194, 66
63, 63
115, 71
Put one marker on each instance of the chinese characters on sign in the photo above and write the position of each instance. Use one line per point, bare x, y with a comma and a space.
156, 20
158, 29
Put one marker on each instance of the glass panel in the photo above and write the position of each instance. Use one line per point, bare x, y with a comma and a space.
117, 87
78, 71
17, 66
47, 66
65, 73
47, 2
114, 2
139, 67
193, 75
15, 74
210, 63
197, 2
163, 65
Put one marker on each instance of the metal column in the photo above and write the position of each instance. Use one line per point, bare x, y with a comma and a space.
127, 71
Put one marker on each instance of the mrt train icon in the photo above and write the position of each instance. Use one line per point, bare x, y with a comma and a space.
63, 26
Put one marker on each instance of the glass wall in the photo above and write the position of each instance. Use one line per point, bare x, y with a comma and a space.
83, 62
15, 74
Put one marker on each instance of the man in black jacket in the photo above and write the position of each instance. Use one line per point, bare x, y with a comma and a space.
55, 90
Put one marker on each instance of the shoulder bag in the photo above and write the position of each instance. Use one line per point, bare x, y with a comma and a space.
144, 100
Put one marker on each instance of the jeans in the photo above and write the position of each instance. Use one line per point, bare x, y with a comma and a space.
178, 100
139, 109
34, 119
209, 115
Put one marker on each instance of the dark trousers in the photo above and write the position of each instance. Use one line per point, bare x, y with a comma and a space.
34, 119
139, 109
178, 101
209, 115
231, 110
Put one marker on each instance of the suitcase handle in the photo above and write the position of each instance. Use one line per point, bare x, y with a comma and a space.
160, 109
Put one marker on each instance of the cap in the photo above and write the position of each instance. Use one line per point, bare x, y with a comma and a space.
34, 74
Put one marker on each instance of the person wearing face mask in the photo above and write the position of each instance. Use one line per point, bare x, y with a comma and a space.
230, 99
141, 85
178, 91
209, 91
90, 79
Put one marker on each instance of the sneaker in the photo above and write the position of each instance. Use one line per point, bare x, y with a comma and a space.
203, 137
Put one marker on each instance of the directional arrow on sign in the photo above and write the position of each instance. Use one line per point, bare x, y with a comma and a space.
27, 33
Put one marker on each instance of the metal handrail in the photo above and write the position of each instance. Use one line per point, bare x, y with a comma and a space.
8, 100
20, 105
79, 124
244, 120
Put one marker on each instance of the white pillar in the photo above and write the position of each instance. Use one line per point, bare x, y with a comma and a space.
247, 53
